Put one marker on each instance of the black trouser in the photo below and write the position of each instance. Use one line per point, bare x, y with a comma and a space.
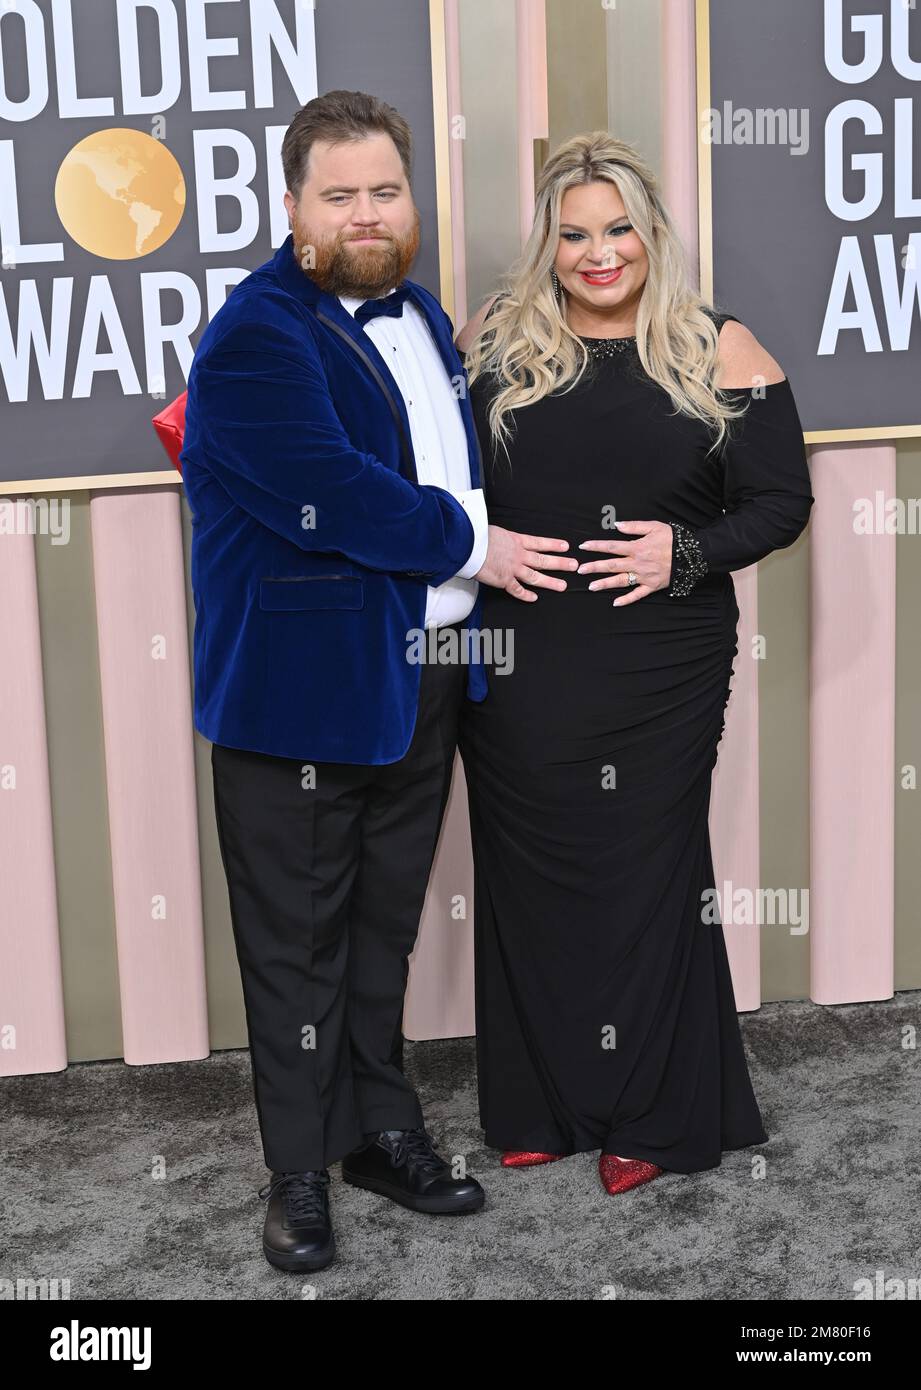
326, 890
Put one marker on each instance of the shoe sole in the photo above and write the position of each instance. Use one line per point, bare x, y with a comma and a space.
436, 1205
292, 1263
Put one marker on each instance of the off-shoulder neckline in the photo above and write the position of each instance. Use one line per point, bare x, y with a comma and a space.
631, 338
749, 390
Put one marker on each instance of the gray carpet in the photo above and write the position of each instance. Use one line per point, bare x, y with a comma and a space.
838, 1200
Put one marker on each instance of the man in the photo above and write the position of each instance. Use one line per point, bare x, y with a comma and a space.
332, 471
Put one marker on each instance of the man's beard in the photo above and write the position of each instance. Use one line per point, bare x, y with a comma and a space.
363, 271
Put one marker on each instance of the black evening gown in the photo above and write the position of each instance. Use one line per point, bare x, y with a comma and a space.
605, 1013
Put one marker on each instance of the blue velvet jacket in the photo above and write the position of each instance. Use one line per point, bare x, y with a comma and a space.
312, 542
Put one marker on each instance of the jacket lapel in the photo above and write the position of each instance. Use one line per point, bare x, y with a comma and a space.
340, 321
389, 390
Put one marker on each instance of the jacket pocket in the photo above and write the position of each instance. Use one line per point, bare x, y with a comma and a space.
299, 592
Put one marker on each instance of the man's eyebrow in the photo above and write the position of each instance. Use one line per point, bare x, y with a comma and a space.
341, 188
614, 220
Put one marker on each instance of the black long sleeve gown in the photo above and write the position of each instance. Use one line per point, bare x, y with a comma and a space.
605, 1013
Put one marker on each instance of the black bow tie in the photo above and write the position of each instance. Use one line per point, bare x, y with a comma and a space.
391, 305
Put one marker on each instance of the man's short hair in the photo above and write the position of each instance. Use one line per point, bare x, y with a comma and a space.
338, 116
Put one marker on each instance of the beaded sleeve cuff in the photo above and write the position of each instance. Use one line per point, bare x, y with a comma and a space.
688, 563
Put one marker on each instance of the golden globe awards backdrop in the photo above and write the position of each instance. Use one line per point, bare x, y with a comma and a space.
141, 179
810, 140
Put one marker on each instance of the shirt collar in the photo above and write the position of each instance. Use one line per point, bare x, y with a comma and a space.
351, 303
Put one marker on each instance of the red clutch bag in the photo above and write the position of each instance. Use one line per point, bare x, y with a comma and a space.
170, 426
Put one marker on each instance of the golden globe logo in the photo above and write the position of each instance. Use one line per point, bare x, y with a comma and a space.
120, 194
216, 82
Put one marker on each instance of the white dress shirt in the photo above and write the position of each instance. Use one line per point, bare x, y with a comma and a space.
438, 439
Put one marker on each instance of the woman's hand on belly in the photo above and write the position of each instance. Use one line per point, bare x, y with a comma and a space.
649, 557
513, 560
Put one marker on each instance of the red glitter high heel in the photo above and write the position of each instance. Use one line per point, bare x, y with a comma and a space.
620, 1174
519, 1158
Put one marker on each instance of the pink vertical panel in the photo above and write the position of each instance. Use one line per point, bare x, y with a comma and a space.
144, 670
678, 88
852, 729
32, 1036
531, 48
439, 991
734, 816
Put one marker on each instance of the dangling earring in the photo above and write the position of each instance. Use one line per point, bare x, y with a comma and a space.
556, 286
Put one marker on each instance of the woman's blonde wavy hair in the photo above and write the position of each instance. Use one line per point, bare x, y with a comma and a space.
525, 342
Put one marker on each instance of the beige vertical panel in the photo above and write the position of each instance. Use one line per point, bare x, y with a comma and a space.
908, 728
31, 998
577, 79
734, 808
488, 95
76, 756
456, 141
634, 67
487, 86
439, 993
226, 1013
783, 698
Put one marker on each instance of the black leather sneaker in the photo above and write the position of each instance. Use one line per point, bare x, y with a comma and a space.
298, 1232
403, 1165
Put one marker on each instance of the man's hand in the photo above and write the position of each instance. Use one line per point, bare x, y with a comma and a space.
512, 558
649, 557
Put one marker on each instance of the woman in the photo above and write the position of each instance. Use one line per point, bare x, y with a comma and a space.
606, 392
